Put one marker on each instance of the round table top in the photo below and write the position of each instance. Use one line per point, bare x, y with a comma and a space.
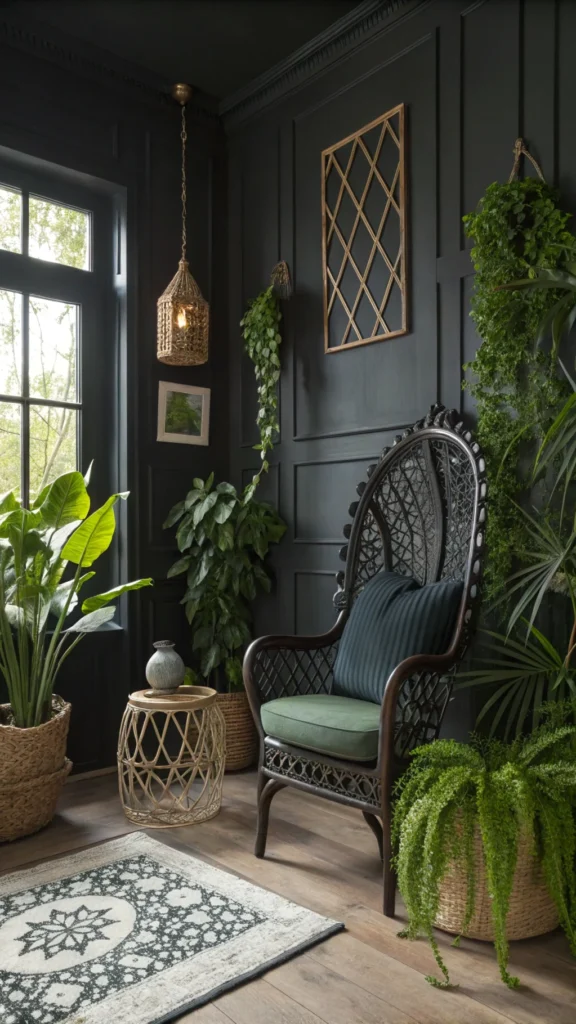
187, 698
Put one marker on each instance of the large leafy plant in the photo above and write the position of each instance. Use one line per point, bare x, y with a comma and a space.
37, 547
452, 791
224, 539
519, 232
524, 665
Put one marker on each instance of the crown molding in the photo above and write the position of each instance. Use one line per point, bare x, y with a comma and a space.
359, 27
92, 62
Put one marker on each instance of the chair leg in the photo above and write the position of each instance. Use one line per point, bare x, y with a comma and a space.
388, 871
268, 790
374, 824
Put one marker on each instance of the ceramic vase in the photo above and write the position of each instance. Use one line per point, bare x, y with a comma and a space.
165, 671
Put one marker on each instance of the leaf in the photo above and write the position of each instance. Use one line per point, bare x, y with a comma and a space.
198, 483
223, 511
199, 572
175, 513
204, 507
192, 497
182, 565
14, 614
59, 538
225, 488
8, 502
211, 660
202, 638
93, 621
99, 600
61, 593
94, 536
66, 501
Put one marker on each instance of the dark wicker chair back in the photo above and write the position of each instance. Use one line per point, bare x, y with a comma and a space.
421, 514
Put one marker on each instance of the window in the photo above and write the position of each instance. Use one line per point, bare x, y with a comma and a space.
52, 328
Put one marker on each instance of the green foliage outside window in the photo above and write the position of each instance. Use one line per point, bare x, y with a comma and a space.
59, 234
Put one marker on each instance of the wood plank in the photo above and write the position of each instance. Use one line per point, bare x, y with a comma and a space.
209, 1014
398, 984
261, 1003
331, 997
473, 967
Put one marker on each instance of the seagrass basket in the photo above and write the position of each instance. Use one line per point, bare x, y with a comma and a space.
532, 910
33, 768
241, 736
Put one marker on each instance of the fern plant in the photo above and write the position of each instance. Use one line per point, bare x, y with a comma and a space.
451, 790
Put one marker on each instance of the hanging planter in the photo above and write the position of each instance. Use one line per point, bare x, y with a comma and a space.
183, 314
518, 230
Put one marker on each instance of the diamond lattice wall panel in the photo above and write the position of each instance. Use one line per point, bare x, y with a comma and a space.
364, 235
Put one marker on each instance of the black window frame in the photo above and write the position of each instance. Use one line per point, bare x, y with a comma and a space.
92, 291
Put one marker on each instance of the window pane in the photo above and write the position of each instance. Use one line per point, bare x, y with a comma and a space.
10, 343
52, 444
53, 334
59, 234
9, 447
10, 219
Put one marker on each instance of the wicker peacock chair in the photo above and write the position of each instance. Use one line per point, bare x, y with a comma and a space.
422, 515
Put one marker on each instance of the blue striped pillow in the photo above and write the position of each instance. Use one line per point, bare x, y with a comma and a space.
393, 618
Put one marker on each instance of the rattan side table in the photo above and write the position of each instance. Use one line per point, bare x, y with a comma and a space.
171, 753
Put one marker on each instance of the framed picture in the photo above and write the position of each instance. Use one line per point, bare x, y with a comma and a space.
183, 413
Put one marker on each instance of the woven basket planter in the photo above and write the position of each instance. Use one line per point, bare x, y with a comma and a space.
33, 768
532, 910
241, 735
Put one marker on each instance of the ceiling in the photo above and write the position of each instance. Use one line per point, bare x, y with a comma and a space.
218, 46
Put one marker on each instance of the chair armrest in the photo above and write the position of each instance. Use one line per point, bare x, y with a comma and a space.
415, 699
285, 666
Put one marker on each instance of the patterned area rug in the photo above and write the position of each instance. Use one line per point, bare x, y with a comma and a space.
136, 932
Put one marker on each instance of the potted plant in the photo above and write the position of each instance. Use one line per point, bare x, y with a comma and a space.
486, 840
37, 546
224, 539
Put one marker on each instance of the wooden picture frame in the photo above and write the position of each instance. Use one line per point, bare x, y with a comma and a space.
183, 413
379, 291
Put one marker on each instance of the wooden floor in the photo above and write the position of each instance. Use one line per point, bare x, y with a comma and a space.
324, 857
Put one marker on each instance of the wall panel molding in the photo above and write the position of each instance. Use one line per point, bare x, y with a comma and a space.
333, 507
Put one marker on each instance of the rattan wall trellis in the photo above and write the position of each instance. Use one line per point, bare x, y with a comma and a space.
364, 235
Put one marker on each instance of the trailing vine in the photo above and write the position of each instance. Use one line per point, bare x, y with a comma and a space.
504, 793
517, 229
262, 341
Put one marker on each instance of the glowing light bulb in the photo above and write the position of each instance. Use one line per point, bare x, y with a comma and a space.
181, 318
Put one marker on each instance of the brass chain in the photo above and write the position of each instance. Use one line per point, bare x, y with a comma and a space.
184, 137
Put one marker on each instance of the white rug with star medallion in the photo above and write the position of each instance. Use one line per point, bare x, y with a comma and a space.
136, 932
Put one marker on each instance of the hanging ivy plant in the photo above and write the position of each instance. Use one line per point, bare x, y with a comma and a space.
262, 339
517, 229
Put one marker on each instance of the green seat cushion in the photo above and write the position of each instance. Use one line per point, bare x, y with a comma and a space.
392, 619
338, 726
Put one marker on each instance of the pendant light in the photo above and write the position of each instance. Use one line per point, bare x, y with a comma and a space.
183, 314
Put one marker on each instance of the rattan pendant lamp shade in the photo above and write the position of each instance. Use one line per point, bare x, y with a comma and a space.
183, 314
